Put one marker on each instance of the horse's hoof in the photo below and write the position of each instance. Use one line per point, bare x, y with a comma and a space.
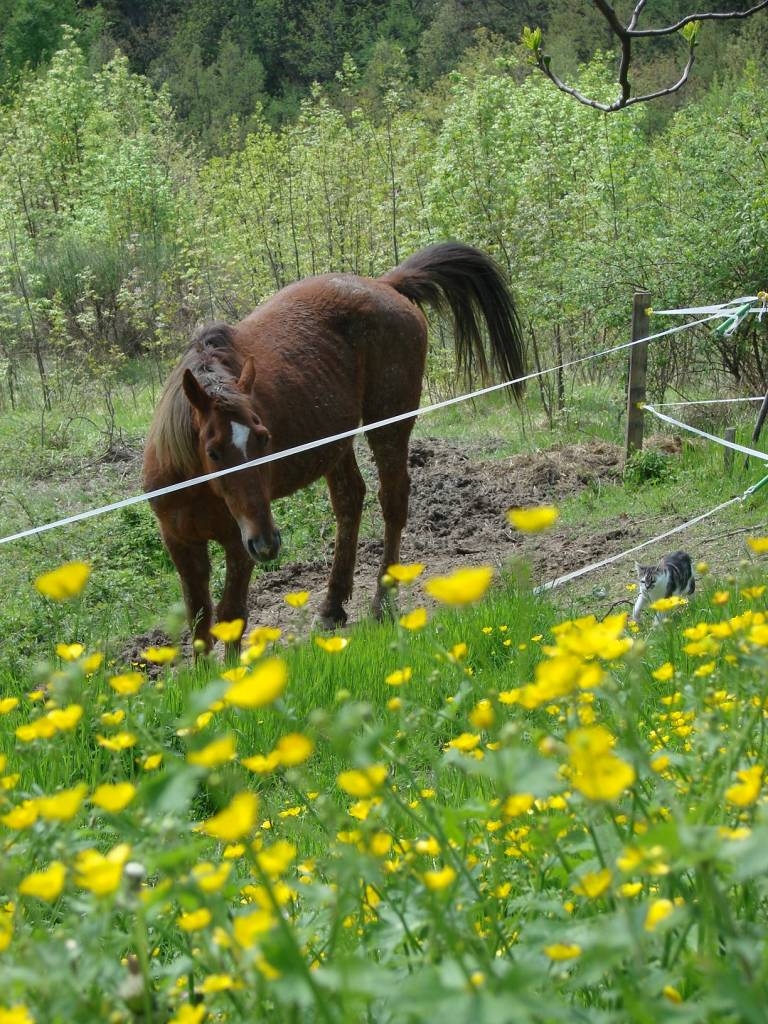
332, 620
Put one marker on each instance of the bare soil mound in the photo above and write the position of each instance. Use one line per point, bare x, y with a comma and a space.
457, 517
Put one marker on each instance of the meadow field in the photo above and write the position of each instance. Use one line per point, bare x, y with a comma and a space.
499, 806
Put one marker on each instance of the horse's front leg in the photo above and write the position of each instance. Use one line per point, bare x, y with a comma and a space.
194, 568
347, 490
234, 599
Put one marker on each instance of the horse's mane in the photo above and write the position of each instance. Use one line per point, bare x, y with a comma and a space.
214, 359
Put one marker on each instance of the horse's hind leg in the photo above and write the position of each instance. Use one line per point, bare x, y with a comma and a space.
234, 599
194, 568
390, 452
347, 490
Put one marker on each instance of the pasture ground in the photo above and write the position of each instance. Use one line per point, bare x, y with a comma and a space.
487, 812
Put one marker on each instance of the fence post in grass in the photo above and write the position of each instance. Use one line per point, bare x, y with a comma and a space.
638, 360
730, 435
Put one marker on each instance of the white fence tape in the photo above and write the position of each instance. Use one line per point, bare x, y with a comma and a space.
710, 437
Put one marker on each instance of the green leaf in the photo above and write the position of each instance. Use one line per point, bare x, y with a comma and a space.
690, 31
531, 39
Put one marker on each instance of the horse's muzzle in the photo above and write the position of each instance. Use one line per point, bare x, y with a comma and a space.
262, 550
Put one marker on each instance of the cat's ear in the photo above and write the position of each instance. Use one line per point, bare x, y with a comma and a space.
638, 569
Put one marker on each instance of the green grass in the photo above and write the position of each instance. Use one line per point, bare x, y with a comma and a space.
439, 889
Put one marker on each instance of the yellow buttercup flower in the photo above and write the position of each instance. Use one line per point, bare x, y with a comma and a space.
465, 586
65, 582
405, 573
517, 804
362, 782
482, 715
593, 884
120, 741
332, 644
235, 821
45, 885
113, 797
597, 773
160, 655
92, 663
657, 912
112, 718
263, 635
666, 604
262, 764
70, 652
276, 858
563, 950
746, 791
465, 742
210, 877
101, 873
759, 545
260, 687
188, 1014
439, 879
297, 599
399, 676
18, 1014
8, 704
215, 754
414, 620
22, 816
248, 928
64, 719
6, 926
62, 806
533, 519
127, 684
194, 920
42, 729
228, 632
664, 672
151, 762
293, 749
218, 983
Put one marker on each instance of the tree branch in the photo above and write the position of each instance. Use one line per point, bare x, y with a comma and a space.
625, 35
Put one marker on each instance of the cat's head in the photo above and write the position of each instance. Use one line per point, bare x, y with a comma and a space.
646, 574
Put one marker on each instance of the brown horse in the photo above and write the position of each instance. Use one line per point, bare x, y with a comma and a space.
320, 357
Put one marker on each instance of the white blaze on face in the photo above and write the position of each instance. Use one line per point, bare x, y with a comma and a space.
240, 437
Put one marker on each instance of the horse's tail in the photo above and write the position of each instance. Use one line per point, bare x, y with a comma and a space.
451, 276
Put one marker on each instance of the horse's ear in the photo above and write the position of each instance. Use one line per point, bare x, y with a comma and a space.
247, 376
196, 394
261, 436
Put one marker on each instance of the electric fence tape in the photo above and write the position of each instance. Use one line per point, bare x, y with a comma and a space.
710, 437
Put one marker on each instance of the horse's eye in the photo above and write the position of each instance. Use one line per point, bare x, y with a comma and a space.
213, 455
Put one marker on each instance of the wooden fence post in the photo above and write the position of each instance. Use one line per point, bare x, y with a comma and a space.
638, 360
730, 435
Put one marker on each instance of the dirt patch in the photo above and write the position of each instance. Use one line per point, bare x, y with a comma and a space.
457, 517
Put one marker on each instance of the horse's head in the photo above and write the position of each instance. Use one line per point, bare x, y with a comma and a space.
230, 434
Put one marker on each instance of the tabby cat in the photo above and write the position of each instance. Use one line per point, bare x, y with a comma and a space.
673, 576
